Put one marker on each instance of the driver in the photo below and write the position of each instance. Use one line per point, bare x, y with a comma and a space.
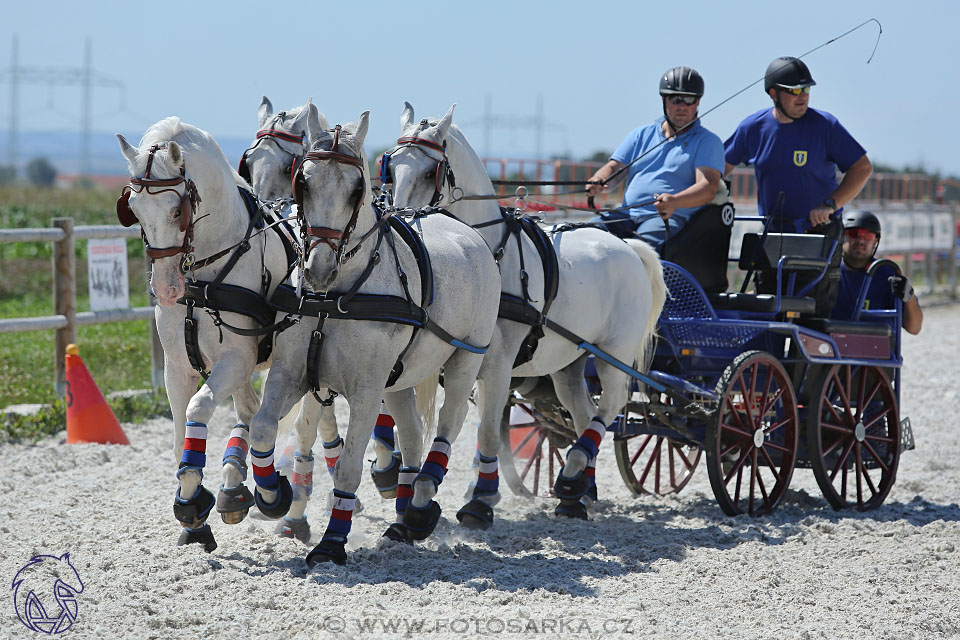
679, 171
861, 236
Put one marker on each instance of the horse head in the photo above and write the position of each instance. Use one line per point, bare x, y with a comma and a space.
281, 141
175, 168
330, 187
418, 167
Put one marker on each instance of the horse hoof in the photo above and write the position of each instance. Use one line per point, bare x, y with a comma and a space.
387, 479
193, 513
398, 533
420, 523
571, 488
571, 509
291, 528
476, 514
203, 535
327, 551
281, 505
234, 503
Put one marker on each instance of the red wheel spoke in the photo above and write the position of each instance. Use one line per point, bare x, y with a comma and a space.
833, 410
872, 487
837, 443
841, 391
764, 405
636, 456
763, 489
734, 412
743, 434
841, 461
686, 461
748, 396
861, 389
860, 472
874, 420
534, 458
778, 447
873, 453
653, 456
753, 480
826, 426
776, 425
773, 468
533, 431
736, 495
873, 392
671, 465
737, 466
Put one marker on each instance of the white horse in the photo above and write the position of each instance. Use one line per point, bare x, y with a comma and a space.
609, 295
357, 268
194, 218
280, 143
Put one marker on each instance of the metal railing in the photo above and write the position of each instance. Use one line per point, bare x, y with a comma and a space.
66, 318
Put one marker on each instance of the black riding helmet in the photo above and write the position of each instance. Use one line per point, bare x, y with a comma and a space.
787, 72
680, 81
858, 219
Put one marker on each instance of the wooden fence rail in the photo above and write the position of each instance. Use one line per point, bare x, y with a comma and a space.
66, 319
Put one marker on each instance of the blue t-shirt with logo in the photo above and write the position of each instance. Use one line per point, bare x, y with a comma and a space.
670, 168
879, 295
799, 159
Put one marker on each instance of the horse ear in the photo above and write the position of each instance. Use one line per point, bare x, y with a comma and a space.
129, 151
361, 131
174, 154
265, 111
406, 118
316, 121
444, 125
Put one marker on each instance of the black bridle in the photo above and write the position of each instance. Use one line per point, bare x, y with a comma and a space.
268, 134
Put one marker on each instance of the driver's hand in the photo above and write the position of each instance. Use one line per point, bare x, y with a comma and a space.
666, 204
901, 287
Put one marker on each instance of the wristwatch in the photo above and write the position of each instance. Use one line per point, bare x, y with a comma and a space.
830, 202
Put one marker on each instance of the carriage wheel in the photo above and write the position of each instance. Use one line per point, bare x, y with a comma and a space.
853, 436
752, 446
531, 461
655, 465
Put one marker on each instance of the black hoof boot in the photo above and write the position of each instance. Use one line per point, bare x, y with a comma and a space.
398, 533
571, 488
571, 509
193, 513
233, 504
420, 523
281, 505
327, 551
476, 514
386, 480
203, 535
289, 528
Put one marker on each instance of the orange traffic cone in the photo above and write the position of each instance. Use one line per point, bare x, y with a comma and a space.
89, 417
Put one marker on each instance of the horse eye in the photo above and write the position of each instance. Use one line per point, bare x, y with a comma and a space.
431, 173
285, 169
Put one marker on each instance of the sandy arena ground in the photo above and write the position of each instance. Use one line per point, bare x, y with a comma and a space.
643, 567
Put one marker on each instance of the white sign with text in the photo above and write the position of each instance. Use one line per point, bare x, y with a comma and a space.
107, 274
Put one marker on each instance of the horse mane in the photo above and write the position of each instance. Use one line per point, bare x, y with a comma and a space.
189, 137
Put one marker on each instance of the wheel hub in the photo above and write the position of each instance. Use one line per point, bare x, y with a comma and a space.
758, 437
860, 432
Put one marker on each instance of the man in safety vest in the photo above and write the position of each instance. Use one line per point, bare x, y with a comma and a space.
675, 165
861, 237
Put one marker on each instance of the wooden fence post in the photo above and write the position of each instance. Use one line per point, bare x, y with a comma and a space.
64, 299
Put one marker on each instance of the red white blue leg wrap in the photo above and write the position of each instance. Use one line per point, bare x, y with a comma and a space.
590, 441
331, 453
302, 476
341, 517
405, 489
264, 473
435, 466
194, 448
237, 448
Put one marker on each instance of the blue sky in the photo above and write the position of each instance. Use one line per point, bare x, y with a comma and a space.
596, 65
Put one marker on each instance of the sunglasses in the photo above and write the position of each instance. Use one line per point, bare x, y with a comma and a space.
795, 91
687, 100
860, 234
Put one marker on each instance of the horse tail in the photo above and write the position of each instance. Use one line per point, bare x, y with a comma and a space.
426, 393
658, 290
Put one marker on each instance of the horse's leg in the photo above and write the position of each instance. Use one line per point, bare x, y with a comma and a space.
234, 499
193, 502
423, 512
284, 387
484, 492
385, 469
364, 404
402, 404
576, 484
311, 415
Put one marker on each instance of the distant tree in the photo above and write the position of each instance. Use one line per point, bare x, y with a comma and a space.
8, 174
599, 156
41, 173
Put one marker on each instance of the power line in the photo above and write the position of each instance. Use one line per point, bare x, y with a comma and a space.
85, 77
535, 123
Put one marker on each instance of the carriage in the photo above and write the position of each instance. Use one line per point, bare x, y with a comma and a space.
753, 380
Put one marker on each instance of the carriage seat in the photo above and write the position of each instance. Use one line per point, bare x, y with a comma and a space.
703, 245
761, 303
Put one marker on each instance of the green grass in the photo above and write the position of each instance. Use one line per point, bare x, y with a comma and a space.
116, 354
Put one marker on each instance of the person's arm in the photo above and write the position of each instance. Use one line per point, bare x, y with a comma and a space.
702, 191
602, 174
727, 168
912, 316
853, 181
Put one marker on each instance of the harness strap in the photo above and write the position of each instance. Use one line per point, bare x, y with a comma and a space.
313, 355
191, 339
